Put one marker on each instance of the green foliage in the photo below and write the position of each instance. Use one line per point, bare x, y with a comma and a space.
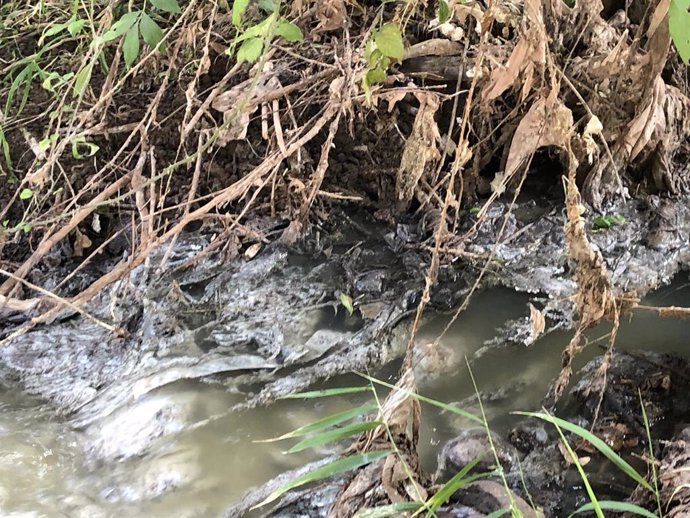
337, 467
389, 41
326, 422
443, 12
623, 507
253, 39
457, 482
150, 30
79, 144
607, 221
385, 47
679, 26
169, 6
5, 147
600, 445
26, 194
320, 439
250, 50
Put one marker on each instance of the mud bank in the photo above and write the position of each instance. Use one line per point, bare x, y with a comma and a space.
270, 324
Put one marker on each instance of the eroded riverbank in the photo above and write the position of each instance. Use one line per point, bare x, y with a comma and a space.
161, 418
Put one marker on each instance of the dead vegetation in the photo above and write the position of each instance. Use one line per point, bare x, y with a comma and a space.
189, 133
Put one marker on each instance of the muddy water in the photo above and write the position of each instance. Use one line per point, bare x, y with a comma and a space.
207, 456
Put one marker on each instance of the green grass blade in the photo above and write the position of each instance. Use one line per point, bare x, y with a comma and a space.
326, 393
337, 467
652, 461
384, 511
623, 507
498, 513
326, 422
600, 445
448, 489
334, 435
439, 404
590, 492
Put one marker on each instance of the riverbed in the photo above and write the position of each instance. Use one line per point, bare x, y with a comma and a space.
205, 456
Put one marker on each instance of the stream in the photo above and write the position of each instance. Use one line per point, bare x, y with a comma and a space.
203, 457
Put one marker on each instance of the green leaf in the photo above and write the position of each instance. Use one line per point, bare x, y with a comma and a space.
26, 194
262, 29
607, 221
76, 26
169, 6
443, 11
623, 507
150, 31
389, 41
5, 149
327, 393
590, 492
600, 445
679, 27
91, 149
270, 6
250, 50
82, 79
384, 511
346, 301
498, 513
337, 467
289, 31
53, 30
458, 481
44, 145
24, 226
238, 9
375, 75
326, 422
120, 27
334, 435
130, 47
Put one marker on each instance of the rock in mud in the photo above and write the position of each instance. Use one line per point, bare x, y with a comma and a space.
470, 445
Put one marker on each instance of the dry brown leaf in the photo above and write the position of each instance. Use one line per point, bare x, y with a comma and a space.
81, 242
594, 127
650, 122
537, 322
547, 123
238, 107
421, 147
594, 298
528, 55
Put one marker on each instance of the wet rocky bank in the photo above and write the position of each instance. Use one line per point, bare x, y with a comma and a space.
271, 323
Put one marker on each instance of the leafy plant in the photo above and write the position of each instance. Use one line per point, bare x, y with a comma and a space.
253, 39
136, 25
607, 221
385, 47
443, 13
679, 26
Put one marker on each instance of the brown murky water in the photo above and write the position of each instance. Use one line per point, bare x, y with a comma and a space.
207, 458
